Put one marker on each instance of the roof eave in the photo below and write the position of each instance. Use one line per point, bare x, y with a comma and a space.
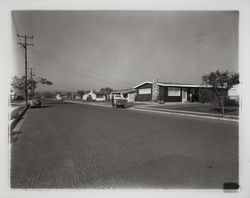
124, 91
146, 82
178, 85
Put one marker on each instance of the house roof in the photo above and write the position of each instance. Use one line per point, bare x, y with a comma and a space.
146, 82
124, 91
98, 92
94, 91
170, 84
87, 92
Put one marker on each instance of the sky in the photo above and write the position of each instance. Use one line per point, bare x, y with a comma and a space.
81, 50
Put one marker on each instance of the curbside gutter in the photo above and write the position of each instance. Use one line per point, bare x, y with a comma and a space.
190, 113
15, 121
88, 103
171, 111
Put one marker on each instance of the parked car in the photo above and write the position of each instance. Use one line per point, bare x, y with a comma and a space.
35, 102
119, 101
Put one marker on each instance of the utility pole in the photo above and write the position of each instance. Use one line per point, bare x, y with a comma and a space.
24, 45
31, 80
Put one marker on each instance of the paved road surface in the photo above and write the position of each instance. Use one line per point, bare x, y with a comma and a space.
67, 145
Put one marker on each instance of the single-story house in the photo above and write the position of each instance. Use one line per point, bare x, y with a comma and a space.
167, 92
59, 96
95, 95
129, 94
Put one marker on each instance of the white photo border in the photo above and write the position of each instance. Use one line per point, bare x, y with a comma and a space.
243, 6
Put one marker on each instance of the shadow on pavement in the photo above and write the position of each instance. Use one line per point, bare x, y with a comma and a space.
43, 106
58, 103
46, 106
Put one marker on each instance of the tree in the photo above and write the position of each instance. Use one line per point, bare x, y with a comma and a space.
18, 84
220, 83
48, 94
106, 91
68, 94
80, 92
44, 81
32, 85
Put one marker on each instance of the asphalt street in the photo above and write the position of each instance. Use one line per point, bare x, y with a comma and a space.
65, 145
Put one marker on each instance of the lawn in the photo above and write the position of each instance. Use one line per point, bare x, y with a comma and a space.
198, 107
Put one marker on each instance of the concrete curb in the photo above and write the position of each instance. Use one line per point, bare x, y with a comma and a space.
92, 104
189, 113
171, 111
17, 119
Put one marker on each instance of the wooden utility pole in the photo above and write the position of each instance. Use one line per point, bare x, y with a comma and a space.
31, 81
24, 45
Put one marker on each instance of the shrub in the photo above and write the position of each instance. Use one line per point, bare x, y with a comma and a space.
231, 102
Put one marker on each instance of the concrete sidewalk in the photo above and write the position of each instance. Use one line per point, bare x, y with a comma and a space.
89, 103
148, 107
191, 108
184, 112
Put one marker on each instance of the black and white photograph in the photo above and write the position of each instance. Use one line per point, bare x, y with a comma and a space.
125, 99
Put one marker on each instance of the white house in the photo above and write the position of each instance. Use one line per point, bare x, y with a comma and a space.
59, 97
95, 95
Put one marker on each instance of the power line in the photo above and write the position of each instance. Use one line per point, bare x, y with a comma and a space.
75, 72
64, 86
69, 71
15, 24
80, 68
14, 20
31, 23
61, 85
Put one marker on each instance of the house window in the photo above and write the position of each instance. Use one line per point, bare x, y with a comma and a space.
173, 91
145, 91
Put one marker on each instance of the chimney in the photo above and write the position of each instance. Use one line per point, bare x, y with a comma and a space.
155, 90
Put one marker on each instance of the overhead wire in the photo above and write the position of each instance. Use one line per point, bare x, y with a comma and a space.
69, 71
62, 85
72, 72
14, 20
83, 70
17, 32
31, 23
